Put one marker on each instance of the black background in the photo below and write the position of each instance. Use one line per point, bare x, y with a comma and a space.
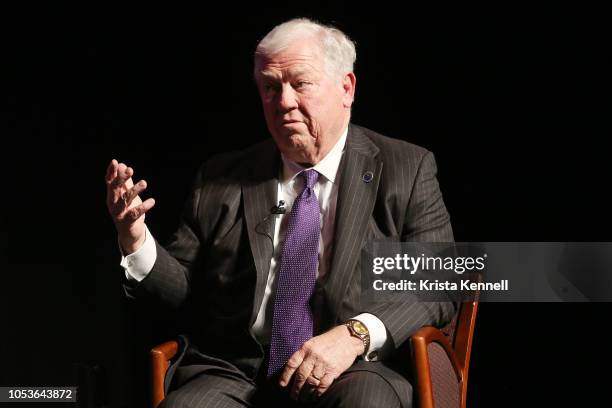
512, 102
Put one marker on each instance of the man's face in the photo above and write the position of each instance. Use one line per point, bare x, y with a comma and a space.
306, 111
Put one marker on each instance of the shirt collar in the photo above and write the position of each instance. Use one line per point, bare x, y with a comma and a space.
327, 167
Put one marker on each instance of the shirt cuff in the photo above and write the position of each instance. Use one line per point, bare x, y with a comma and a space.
378, 335
138, 264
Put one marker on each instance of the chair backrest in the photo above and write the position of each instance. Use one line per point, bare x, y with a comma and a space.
462, 341
460, 333
441, 360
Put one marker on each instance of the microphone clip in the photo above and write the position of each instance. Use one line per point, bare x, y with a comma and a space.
279, 208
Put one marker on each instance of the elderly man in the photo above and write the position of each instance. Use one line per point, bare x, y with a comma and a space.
265, 263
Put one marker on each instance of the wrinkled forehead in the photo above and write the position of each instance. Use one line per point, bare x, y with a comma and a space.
289, 70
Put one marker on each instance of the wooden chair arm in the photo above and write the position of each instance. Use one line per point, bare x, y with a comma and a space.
160, 361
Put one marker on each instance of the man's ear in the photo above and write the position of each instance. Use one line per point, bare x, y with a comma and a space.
348, 88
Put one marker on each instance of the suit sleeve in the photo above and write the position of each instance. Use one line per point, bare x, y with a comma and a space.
168, 283
426, 220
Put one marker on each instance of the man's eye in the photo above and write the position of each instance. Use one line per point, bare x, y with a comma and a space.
301, 84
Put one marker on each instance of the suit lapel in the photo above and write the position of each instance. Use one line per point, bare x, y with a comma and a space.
356, 199
259, 192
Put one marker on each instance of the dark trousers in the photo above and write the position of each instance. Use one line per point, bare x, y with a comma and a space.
355, 388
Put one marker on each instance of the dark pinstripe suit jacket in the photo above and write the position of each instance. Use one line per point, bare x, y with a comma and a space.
214, 270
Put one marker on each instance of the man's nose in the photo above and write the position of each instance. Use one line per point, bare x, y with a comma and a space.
287, 98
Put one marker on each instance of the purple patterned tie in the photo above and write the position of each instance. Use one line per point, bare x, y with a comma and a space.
292, 324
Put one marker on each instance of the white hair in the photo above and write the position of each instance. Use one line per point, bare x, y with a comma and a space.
337, 48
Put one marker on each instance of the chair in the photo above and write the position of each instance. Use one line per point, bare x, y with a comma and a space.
161, 356
441, 359
440, 362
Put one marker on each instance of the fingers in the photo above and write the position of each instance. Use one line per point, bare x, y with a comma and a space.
111, 175
292, 364
299, 379
318, 372
122, 193
111, 171
128, 196
324, 384
119, 180
303, 374
124, 174
138, 211
116, 173
310, 390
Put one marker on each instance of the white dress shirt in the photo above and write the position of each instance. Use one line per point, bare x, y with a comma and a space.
138, 264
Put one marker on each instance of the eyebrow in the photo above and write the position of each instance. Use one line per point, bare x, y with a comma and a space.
267, 75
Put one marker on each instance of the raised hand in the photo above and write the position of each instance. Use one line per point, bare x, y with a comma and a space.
125, 205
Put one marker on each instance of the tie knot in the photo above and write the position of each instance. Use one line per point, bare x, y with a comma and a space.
310, 178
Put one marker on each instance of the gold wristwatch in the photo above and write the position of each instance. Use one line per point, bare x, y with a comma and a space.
359, 330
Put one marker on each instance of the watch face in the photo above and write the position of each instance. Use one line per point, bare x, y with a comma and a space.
359, 328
